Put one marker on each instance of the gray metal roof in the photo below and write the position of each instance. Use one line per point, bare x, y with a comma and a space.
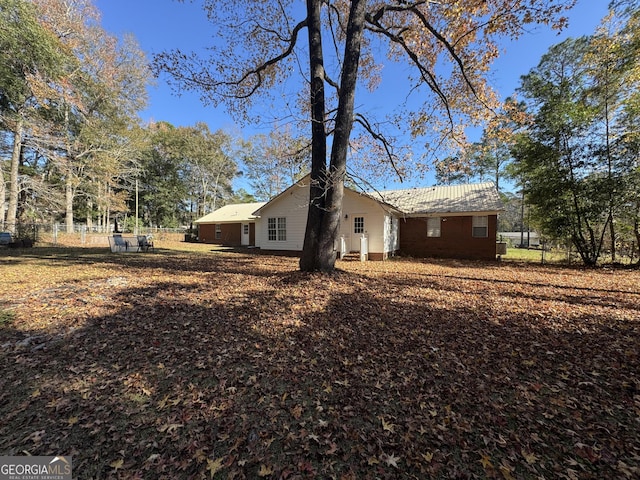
452, 199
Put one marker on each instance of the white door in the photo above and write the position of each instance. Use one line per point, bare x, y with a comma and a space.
358, 228
244, 240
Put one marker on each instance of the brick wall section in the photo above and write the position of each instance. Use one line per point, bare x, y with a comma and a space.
455, 239
206, 233
230, 234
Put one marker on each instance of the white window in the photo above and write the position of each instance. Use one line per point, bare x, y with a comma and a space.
245, 228
358, 225
218, 231
433, 227
271, 228
480, 227
282, 229
277, 229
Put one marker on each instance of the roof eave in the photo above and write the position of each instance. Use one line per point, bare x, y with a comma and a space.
451, 214
220, 222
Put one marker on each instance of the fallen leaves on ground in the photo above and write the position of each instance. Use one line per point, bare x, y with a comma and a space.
224, 365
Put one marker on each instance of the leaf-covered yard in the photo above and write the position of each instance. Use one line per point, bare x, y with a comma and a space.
205, 364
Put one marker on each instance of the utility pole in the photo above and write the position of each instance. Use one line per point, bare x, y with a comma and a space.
136, 229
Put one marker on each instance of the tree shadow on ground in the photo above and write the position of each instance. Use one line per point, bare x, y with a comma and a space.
292, 375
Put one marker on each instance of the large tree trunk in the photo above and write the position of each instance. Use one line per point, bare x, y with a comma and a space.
89, 214
3, 197
612, 233
340, 146
636, 229
309, 259
12, 210
69, 194
319, 253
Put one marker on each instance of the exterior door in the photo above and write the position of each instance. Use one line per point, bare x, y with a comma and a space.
358, 228
244, 237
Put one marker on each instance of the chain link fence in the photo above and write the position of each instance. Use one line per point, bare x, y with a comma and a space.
55, 234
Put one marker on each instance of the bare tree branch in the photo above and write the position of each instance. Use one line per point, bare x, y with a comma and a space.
383, 141
201, 78
452, 52
426, 75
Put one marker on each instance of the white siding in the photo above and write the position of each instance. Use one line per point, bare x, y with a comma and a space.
355, 205
391, 237
293, 205
396, 234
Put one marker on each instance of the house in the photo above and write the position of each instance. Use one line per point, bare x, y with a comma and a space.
233, 225
444, 221
283, 222
458, 221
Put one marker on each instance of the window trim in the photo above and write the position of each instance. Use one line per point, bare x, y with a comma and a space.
282, 229
277, 229
480, 226
434, 231
271, 229
218, 231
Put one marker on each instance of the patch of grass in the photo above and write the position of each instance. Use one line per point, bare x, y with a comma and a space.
6, 318
534, 256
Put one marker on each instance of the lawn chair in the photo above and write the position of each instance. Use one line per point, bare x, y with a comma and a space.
119, 244
144, 243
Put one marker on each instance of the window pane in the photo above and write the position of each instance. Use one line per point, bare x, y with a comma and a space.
480, 227
358, 225
481, 221
433, 227
271, 228
480, 232
282, 229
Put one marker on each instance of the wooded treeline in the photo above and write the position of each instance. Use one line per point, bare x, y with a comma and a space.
568, 143
69, 96
72, 146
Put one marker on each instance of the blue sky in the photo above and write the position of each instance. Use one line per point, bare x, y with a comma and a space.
166, 24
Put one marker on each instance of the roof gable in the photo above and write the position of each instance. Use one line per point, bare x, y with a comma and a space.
232, 213
304, 183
